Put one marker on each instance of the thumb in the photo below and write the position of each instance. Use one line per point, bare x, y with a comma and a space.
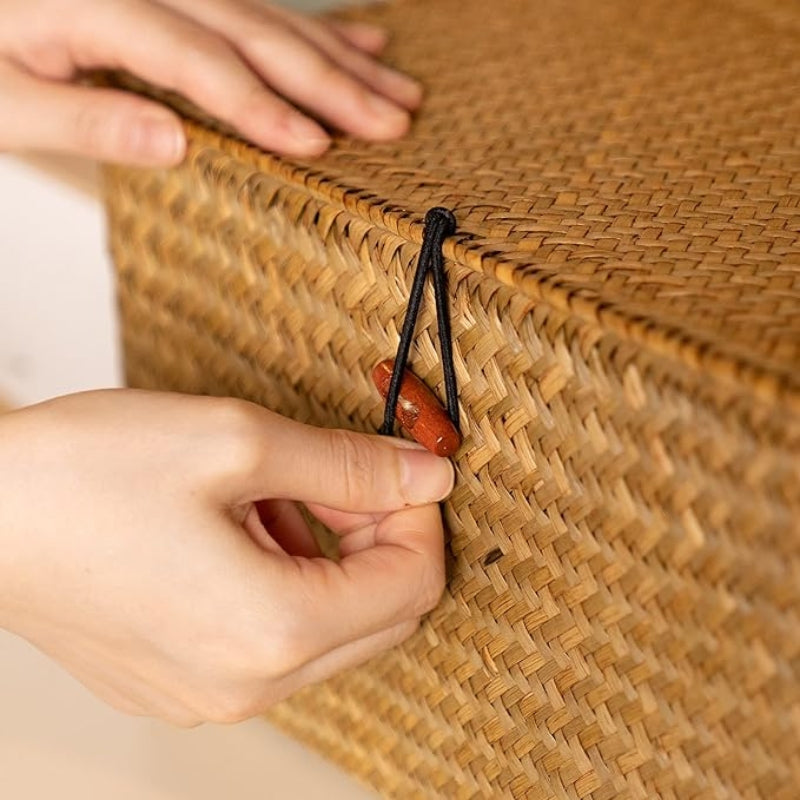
339, 469
101, 124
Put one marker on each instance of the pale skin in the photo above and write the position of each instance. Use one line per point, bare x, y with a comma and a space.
152, 543
266, 71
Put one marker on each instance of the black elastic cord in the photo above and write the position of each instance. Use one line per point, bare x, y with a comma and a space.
439, 224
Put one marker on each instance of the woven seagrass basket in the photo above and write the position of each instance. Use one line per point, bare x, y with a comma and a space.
623, 610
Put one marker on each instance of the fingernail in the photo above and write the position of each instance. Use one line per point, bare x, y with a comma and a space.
424, 477
391, 116
162, 140
310, 136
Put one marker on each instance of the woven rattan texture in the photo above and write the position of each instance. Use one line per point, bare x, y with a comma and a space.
623, 608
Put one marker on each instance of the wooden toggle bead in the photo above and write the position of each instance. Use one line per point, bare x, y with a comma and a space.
419, 411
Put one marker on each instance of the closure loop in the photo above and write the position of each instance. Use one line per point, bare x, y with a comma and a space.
439, 224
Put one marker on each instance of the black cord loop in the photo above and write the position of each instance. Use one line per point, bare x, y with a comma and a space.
439, 224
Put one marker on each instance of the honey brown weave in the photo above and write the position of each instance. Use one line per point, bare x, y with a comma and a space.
622, 617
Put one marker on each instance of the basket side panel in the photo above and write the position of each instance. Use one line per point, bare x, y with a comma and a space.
638, 633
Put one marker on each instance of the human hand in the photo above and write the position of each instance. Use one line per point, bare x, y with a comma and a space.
248, 63
149, 543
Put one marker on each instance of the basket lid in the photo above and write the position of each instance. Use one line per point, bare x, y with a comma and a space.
637, 164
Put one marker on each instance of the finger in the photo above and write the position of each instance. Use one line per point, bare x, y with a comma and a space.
115, 684
285, 524
344, 522
371, 39
141, 701
347, 656
249, 518
178, 53
274, 457
354, 541
356, 531
400, 88
398, 580
302, 71
97, 123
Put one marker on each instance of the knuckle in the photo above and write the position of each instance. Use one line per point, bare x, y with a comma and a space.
206, 58
352, 460
236, 417
91, 129
269, 645
116, 129
368, 69
327, 70
258, 100
431, 588
286, 655
274, 646
184, 721
207, 49
239, 423
404, 632
287, 647
231, 706
327, 74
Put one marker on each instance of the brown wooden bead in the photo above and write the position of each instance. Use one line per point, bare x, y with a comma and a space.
419, 411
